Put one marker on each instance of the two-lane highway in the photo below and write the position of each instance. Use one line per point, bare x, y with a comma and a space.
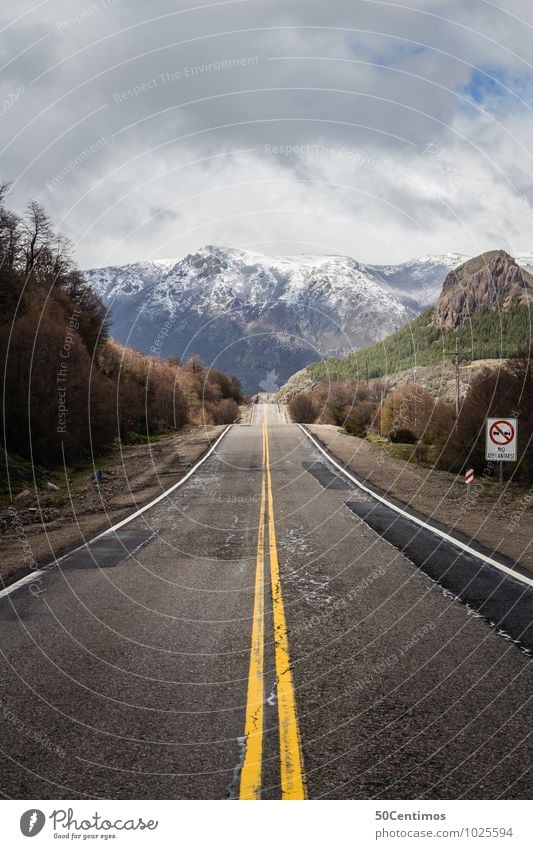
250, 636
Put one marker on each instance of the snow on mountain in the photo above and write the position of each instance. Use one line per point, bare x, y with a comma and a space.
418, 279
526, 261
116, 281
259, 316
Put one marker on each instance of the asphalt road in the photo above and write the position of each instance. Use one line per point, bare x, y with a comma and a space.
252, 636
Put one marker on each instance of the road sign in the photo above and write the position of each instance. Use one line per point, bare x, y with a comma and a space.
501, 438
469, 476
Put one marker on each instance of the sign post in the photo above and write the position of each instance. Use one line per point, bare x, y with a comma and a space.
500, 442
469, 479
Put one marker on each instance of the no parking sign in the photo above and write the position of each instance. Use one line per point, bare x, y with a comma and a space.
501, 438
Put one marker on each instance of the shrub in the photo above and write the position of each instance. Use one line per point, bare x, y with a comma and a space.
359, 418
402, 435
302, 409
506, 392
225, 412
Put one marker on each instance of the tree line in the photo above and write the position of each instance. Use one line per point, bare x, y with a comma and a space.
69, 391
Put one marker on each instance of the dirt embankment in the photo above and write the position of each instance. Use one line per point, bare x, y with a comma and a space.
437, 379
503, 525
41, 524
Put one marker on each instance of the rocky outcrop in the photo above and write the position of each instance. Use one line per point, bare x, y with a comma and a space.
492, 279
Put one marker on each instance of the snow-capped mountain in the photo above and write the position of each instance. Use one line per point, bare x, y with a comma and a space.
419, 280
263, 317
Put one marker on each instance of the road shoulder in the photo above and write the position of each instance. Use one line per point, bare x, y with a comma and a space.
440, 496
44, 525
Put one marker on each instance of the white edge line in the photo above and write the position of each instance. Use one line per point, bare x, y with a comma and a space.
27, 579
457, 543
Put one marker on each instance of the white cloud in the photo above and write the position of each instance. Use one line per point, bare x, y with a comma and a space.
424, 147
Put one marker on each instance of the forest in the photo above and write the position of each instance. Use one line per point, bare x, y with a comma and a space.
490, 334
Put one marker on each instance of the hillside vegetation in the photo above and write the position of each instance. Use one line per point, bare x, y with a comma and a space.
69, 391
408, 415
490, 334
484, 312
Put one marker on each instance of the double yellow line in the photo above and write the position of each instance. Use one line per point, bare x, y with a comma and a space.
291, 760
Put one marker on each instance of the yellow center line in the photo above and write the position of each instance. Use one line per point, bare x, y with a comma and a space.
291, 758
250, 787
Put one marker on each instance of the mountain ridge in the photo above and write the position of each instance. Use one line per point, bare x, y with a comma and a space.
484, 308
493, 279
263, 317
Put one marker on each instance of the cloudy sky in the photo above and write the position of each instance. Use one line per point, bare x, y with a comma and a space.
383, 129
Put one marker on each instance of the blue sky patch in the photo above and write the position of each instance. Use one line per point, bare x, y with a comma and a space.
491, 84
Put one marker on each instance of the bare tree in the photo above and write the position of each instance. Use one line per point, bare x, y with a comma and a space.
4, 188
53, 261
10, 239
10, 235
61, 253
38, 231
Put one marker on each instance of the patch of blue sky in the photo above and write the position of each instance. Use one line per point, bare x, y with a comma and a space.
488, 86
